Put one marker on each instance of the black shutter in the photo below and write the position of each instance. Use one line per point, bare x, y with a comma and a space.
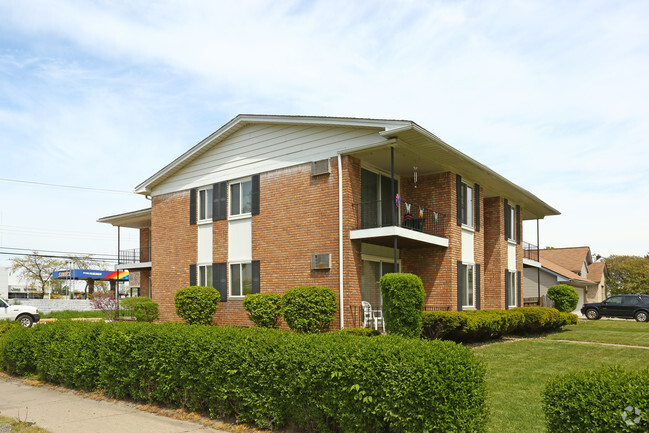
506, 289
460, 281
220, 201
458, 186
477, 287
507, 221
255, 195
220, 279
476, 198
192, 205
518, 283
192, 275
519, 226
256, 284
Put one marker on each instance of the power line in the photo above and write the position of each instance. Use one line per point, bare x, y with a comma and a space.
55, 257
121, 191
60, 252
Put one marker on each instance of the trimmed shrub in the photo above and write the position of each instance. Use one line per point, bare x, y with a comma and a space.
197, 304
6, 325
539, 319
264, 309
146, 311
361, 332
565, 297
403, 299
467, 326
597, 401
309, 309
568, 319
329, 382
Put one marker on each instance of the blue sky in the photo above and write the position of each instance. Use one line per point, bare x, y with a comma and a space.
101, 94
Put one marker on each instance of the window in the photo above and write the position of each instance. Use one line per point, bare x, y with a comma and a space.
241, 197
240, 279
614, 300
468, 286
205, 275
377, 200
511, 289
205, 204
512, 215
466, 204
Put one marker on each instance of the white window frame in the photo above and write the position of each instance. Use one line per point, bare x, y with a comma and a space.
513, 223
466, 288
239, 213
205, 204
231, 280
468, 206
513, 295
205, 275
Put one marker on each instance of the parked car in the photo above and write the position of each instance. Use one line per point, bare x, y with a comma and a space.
24, 314
623, 306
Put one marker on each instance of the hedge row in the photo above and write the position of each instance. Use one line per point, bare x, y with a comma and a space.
608, 400
480, 325
332, 382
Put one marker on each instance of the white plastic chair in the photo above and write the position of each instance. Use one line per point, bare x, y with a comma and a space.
368, 317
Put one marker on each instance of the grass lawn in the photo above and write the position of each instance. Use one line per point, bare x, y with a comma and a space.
517, 371
606, 331
11, 425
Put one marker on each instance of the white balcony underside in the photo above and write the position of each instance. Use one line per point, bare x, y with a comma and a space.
405, 237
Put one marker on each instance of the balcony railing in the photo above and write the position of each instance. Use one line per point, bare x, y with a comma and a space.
530, 251
135, 255
375, 214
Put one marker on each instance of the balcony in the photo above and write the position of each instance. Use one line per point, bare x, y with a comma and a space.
135, 256
530, 253
416, 226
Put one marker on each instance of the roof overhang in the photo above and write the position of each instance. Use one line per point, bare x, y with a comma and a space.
137, 219
405, 238
416, 147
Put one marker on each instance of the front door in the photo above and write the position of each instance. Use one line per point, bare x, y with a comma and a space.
372, 273
613, 306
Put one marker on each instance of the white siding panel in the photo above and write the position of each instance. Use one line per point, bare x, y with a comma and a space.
205, 243
240, 240
262, 148
511, 257
467, 246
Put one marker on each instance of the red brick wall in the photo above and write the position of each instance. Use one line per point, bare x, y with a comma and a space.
495, 252
173, 245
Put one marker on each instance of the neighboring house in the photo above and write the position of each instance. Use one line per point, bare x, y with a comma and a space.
12, 285
271, 202
572, 266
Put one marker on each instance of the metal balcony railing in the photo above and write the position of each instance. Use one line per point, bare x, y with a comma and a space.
530, 251
374, 214
135, 255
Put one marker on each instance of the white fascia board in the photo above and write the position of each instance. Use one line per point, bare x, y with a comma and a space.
532, 263
380, 232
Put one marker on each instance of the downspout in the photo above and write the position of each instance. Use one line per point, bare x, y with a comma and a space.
340, 242
538, 256
394, 207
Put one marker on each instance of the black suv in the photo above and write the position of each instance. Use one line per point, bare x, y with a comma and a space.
624, 306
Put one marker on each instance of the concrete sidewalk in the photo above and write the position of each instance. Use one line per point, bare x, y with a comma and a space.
62, 411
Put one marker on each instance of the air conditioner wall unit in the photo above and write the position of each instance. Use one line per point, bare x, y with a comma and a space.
320, 261
320, 167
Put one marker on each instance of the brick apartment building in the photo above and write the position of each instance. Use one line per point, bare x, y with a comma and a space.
266, 203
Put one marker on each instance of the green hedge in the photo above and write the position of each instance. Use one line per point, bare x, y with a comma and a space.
146, 311
467, 326
330, 382
309, 309
481, 325
403, 299
197, 304
264, 309
595, 401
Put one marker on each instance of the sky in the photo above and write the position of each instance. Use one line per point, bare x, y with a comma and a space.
100, 95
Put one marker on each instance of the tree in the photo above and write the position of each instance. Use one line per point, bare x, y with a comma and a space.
565, 297
627, 274
37, 271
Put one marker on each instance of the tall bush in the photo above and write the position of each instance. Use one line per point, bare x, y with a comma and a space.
565, 297
197, 304
403, 299
146, 311
324, 383
264, 309
309, 309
